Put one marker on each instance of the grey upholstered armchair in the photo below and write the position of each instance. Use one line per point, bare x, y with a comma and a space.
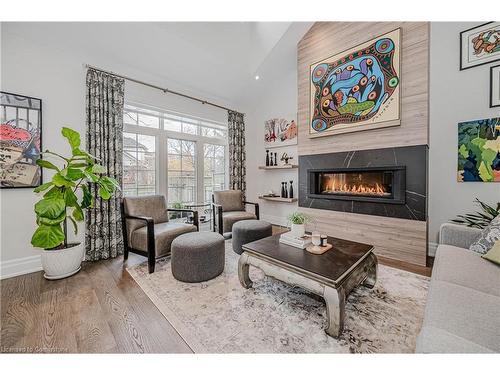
228, 207
146, 227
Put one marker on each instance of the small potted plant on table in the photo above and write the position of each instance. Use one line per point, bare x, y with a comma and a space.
298, 221
60, 204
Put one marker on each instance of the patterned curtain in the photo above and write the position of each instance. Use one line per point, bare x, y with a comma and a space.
104, 122
237, 154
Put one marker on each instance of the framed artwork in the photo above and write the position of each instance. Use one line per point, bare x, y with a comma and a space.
20, 141
495, 86
358, 89
280, 132
479, 150
480, 45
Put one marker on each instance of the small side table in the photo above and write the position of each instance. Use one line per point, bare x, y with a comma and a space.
204, 212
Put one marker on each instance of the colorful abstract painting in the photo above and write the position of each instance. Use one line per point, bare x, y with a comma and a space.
20, 140
480, 45
357, 89
479, 150
280, 132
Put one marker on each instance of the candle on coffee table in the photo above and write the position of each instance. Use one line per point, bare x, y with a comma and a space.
323, 239
316, 238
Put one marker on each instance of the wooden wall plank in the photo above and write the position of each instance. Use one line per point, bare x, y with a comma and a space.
398, 239
328, 38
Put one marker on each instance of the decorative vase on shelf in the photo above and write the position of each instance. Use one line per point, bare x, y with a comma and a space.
298, 230
290, 192
282, 190
275, 159
267, 158
271, 160
286, 189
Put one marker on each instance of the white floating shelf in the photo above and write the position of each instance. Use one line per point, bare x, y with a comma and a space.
279, 199
288, 166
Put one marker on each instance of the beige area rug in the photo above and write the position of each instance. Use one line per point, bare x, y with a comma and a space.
220, 316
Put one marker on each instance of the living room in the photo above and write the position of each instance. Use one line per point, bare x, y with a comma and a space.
329, 186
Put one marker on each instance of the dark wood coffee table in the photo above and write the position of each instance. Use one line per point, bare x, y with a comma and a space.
331, 275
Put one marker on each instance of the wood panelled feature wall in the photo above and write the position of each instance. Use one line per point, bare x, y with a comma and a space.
329, 38
399, 239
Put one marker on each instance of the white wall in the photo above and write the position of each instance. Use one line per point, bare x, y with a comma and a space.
58, 78
272, 97
455, 96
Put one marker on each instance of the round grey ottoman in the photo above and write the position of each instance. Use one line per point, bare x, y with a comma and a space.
197, 256
246, 231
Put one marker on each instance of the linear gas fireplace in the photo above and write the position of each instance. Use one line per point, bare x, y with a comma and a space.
375, 184
390, 182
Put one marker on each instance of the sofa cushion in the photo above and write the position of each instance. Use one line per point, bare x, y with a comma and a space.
463, 312
488, 237
458, 235
229, 218
467, 268
493, 255
436, 340
230, 200
165, 233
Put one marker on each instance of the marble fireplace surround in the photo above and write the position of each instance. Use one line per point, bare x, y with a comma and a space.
414, 158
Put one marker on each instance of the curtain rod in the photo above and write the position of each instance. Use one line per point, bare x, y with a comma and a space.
166, 91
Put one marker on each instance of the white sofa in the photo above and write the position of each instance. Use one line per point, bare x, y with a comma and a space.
462, 313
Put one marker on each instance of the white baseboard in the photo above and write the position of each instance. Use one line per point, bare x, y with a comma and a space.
432, 249
21, 266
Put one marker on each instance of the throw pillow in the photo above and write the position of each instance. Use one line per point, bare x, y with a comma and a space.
494, 254
488, 237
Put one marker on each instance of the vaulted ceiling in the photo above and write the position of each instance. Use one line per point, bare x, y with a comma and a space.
219, 58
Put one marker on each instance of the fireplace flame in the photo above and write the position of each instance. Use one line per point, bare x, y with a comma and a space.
332, 187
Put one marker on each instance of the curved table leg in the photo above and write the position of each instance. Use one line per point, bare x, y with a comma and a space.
243, 268
335, 309
371, 278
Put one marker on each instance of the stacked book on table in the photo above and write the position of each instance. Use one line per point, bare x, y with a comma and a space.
299, 242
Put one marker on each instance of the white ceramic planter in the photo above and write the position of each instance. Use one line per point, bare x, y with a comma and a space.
298, 230
62, 263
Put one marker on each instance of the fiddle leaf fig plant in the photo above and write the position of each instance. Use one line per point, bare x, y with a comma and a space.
60, 202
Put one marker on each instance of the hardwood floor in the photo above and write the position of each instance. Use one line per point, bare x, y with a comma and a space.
421, 270
101, 309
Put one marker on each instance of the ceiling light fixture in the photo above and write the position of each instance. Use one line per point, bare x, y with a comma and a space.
257, 77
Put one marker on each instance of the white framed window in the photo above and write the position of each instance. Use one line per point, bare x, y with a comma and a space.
139, 164
180, 156
214, 177
182, 176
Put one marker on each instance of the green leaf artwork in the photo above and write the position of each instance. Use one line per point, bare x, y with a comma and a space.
60, 201
479, 151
